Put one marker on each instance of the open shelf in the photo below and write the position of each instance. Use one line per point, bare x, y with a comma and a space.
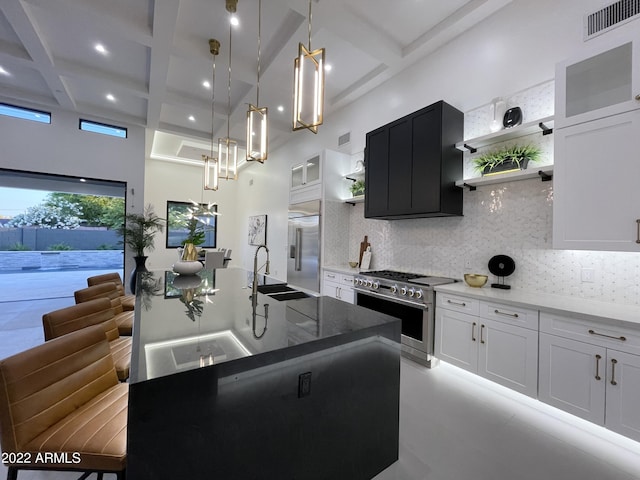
354, 176
354, 200
544, 125
545, 173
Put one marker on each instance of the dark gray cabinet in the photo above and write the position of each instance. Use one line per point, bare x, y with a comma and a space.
412, 165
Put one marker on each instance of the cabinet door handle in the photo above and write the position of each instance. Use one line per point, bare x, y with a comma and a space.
613, 371
338, 292
621, 338
473, 332
514, 315
481, 330
460, 304
638, 230
598, 357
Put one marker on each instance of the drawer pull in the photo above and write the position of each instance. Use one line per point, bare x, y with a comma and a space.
514, 315
331, 275
621, 338
481, 330
613, 371
460, 304
473, 332
598, 357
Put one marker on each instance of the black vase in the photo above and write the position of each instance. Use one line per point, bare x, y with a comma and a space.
140, 267
507, 165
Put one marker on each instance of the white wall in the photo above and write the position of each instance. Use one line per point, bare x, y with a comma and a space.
183, 183
62, 148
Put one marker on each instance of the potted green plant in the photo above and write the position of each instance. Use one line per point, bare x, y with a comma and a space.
357, 188
138, 231
506, 159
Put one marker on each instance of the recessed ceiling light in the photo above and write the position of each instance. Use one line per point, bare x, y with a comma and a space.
3, 71
111, 98
234, 20
192, 118
100, 49
82, 180
327, 67
280, 108
206, 84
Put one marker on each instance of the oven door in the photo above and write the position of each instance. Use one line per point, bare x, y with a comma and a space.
417, 332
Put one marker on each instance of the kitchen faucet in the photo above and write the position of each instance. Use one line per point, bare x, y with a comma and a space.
254, 289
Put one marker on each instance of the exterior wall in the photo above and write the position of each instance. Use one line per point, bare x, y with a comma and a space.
43, 238
95, 259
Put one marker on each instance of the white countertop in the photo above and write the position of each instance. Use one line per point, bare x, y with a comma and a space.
342, 269
612, 313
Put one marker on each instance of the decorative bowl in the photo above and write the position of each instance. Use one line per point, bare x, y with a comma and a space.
475, 279
183, 267
353, 264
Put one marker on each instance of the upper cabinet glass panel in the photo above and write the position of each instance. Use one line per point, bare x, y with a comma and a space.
599, 81
313, 169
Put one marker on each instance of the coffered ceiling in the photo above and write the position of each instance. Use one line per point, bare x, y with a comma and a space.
156, 58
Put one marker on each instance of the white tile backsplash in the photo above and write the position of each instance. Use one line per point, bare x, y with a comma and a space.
513, 218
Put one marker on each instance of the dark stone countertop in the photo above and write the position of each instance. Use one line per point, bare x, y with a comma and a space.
183, 323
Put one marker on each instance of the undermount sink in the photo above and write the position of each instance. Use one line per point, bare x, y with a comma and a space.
293, 295
267, 289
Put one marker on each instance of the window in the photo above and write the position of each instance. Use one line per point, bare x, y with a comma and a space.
103, 128
24, 113
185, 219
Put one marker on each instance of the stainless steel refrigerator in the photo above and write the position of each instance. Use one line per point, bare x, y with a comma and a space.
303, 263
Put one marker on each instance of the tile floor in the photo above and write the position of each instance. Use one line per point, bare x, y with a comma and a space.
453, 425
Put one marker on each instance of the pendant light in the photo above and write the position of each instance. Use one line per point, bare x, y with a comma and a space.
210, 162
257, 129
308, 86
227, 147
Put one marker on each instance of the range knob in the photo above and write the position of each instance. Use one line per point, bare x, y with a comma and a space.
419, 294
369, 283
403, 291
394, 289
376, 285
412, 292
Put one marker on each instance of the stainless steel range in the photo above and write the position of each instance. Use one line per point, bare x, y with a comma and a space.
408, 296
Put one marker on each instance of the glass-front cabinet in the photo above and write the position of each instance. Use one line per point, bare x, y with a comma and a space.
306, 173
603, 80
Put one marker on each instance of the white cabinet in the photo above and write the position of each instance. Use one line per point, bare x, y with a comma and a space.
594, 379
306, 180
596, 204
601, 81
338, 285
496, 341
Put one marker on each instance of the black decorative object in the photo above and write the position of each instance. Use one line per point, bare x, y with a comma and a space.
140, 267
512, 117
501, 266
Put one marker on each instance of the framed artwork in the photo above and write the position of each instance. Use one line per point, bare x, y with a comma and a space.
179, 216
258, 230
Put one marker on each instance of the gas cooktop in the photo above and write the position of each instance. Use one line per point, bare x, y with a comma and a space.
407, 277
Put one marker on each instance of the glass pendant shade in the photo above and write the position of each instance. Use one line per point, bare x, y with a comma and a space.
308, 84
257, 134
210, 173
227, 158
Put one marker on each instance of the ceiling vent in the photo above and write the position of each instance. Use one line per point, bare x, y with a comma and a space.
610, 17
346, 138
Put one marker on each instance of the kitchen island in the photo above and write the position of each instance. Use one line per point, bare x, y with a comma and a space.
225, 385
